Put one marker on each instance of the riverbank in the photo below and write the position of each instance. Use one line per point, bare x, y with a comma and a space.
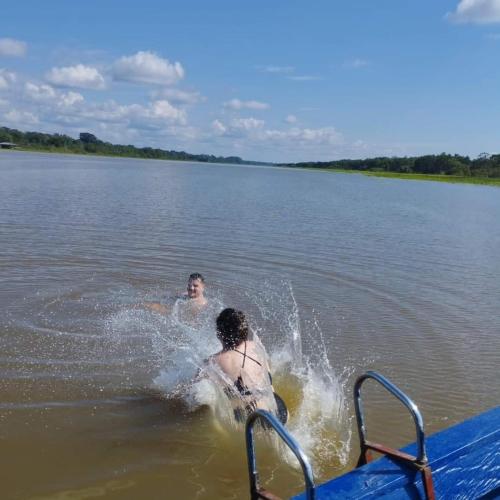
454, 179
487, 181
88, 143
60, 151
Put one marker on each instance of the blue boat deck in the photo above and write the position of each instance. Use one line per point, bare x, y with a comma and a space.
465, 463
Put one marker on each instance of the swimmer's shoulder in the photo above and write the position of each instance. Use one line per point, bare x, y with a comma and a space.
172, 299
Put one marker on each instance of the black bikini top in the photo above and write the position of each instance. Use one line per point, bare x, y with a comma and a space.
238, 383
245, 356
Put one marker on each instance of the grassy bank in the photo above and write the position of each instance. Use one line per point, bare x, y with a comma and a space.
454, 179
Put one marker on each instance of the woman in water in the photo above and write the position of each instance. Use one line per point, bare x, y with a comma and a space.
244, 367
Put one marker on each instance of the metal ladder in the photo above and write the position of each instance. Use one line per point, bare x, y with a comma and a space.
420, 462
256, 492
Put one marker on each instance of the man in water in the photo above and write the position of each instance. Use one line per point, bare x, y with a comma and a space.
243, 364
194, 295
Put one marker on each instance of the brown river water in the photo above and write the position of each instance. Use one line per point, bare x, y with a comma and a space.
339, 273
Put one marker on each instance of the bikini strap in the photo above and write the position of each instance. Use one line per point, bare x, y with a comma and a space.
245, 356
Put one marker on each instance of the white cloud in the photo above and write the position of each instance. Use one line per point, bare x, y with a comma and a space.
12, 48
152, 116
476, 11
20, 118
247, 123
278, 69
237, 104
356, 63
147, 67
177, 96
218, 127
304, 78
181, 132
253, 130
325, 135
291, 119
168, 137
70, 99
41, 92
79, 76
46, 95
7, 78
165, 111
256, 141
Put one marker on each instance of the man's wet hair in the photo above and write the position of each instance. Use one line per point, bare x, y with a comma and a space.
196, 276
232, 327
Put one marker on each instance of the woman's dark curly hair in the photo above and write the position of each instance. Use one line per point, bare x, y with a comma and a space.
232, 328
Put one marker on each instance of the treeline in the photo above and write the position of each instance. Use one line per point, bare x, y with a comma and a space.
484, 165
89, 144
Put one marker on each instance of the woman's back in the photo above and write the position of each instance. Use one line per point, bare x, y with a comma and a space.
245, 370
248, 361
243, 367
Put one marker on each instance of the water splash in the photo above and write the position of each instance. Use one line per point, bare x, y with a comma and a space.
302, 373
314, 391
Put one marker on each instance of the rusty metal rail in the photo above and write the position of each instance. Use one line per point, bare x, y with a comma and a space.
256, 492
420, 462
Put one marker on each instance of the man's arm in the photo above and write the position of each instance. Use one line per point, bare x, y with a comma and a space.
156, 307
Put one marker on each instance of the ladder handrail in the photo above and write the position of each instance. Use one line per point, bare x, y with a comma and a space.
399, 394
289, 441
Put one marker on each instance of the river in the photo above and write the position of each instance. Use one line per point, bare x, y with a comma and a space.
339, 273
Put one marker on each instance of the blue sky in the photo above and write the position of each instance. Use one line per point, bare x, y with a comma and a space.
266, 80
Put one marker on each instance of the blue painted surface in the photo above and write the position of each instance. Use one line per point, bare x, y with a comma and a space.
465, 462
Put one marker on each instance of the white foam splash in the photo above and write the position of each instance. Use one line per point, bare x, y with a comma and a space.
319, 414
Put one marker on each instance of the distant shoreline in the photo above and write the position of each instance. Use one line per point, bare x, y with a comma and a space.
88, 143
451, 179
106, 155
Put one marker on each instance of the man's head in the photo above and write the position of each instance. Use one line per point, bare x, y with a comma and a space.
232, 328
195, 286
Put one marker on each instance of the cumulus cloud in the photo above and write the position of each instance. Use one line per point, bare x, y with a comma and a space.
7, 78
237, 104
69, 99
20, 118
247, 123
175, 136
155, 114
12, 48
79, 76
476, 11
291, 119
41, 92
147, 67
177, 96
165, 111
325, 135
255, 132
69, 111
45, 94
